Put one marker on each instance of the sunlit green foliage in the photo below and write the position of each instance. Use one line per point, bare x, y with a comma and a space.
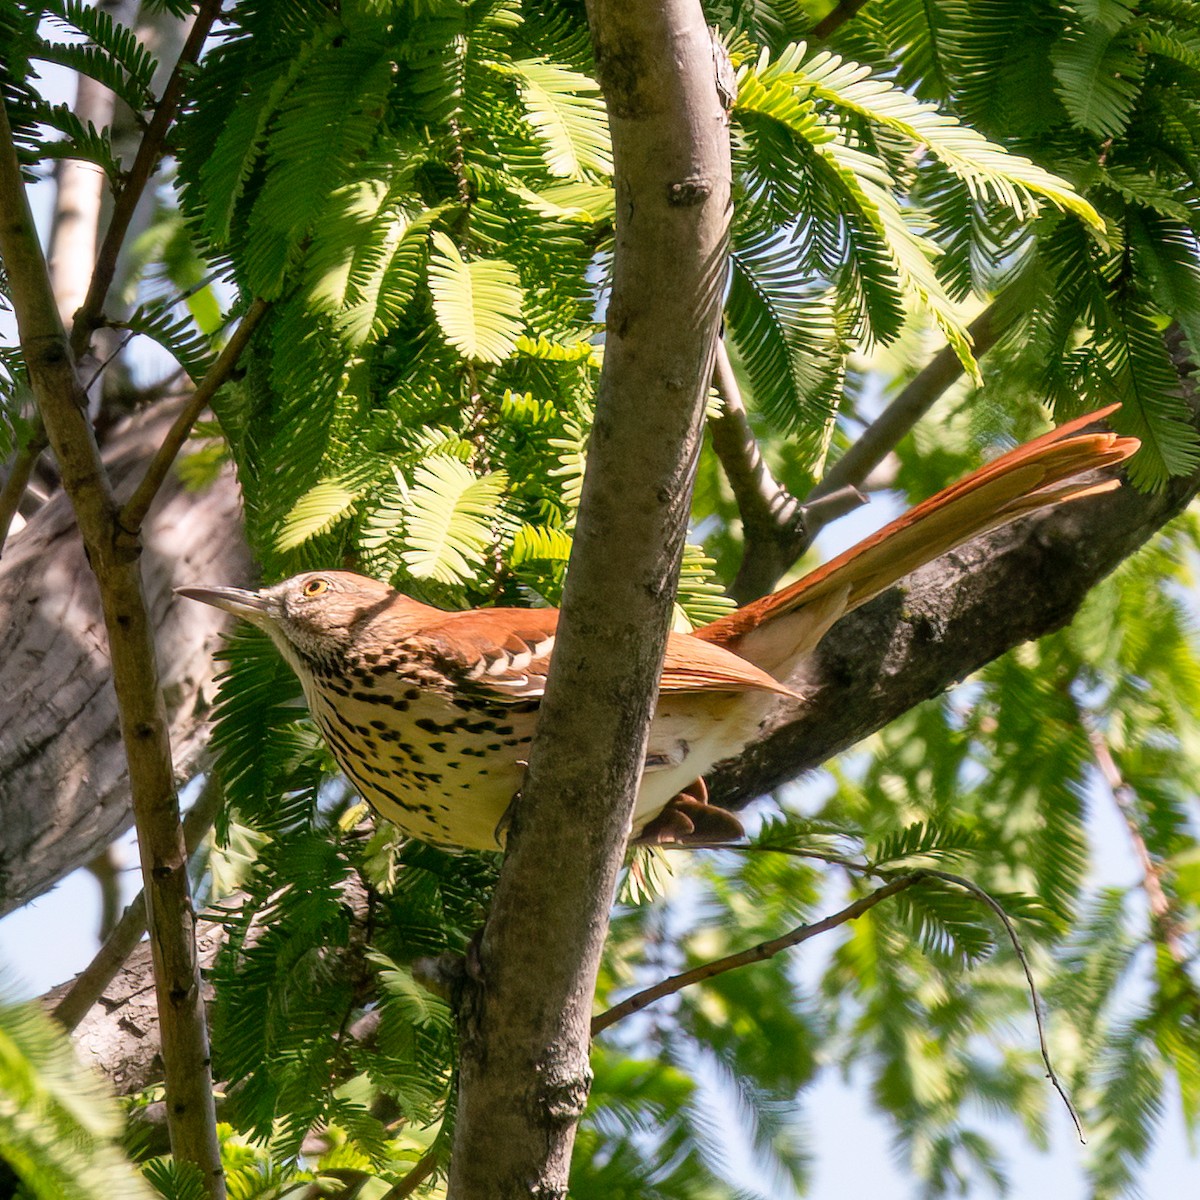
58, 1124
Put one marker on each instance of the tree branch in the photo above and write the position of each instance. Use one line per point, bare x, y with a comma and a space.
113, 560
882, 436
144, 164
422, 1169
754, 954
60, 736
1163, 919
90, 984
138, 505
766, 507
18, 480
833, 20
987, 898
776, 528
945, 621
524, 1019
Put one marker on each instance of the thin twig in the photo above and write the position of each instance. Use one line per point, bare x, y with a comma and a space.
918, 396
138, 505
92, 981
834, 19
946, 877
1163, 920
144, 164
763, 950
424, 1167
763, 502
997, 908
776, 528
18, 480
769, 512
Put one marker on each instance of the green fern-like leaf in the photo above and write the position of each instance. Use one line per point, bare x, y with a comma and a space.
389, 282
701, 598
1099, 77
478, 303
924, 840
787, 337
1135, 362
565, 109
316, 511
58, 1125
912, 254
947, 920
82, 142
113, 54
324, 123
987, 168
177, 335
269, 762
449, 519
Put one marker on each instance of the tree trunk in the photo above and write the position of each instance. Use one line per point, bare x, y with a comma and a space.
525, 1013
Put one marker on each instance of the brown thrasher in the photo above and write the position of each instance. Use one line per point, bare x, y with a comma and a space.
431, 713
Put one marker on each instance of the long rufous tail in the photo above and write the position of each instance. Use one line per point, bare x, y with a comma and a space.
1041, 473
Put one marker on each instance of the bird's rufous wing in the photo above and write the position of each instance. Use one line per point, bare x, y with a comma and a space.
506, 651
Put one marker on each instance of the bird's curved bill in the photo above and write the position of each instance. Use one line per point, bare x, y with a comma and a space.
253, 606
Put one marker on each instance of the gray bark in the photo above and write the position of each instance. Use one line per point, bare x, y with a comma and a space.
119, 1037
64, 784
524, 1015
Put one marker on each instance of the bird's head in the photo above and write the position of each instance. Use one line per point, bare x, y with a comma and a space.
309, 616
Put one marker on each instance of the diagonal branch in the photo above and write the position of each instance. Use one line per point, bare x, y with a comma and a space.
707, 970
914, 401
776, 528
114, 562
1164, 921
759, 953
138, 505
90, 984
18, 479
834, 19
421, 1171
144, 164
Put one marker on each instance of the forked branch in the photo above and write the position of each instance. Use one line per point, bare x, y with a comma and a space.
759, 953
138, 505
895, 883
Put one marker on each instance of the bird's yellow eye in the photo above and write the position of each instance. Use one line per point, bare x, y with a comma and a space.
315, 587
